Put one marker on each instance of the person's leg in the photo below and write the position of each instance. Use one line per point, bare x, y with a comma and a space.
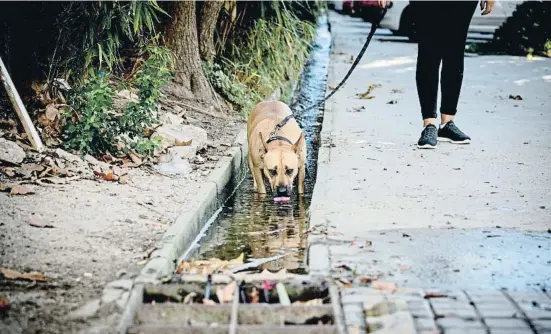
429, 56
461, 13
453, 48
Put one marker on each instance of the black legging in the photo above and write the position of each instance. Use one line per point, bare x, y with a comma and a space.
442, 32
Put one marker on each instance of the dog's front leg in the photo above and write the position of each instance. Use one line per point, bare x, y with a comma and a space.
301, 179
251, 168
258, 180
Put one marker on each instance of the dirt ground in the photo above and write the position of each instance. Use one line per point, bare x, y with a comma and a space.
101, 231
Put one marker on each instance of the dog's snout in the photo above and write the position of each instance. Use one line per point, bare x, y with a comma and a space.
282, 191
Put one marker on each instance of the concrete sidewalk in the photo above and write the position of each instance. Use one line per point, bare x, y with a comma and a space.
473, 217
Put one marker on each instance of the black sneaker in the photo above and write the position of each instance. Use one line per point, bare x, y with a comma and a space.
451, 133
428, 137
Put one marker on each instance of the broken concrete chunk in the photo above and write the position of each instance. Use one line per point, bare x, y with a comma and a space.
184, 152
170, 118
175, 165
86, 311
123, 284
181, 135
11, 152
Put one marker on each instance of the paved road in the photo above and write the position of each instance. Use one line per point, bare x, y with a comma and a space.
475, 216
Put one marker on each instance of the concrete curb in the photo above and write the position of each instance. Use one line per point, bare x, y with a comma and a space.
179, 235
318, 254
187, 225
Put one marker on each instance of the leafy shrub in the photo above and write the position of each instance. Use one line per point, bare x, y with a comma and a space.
95, 127
527, 31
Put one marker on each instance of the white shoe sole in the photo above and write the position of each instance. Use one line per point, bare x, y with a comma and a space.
426, 146
448, 140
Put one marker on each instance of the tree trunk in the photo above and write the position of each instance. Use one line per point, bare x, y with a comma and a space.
207, 23
181, 37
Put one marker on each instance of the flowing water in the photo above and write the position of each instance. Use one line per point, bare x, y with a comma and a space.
256, 226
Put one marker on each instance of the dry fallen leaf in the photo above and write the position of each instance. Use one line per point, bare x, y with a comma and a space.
32, 276
135, 158
37, 222
51, 112
123, 179
210, 266
9, 171
225, 294
344, 282
367, 279
20, 190
367, 94
385, 286
429, 295
189, 297
110, 176
313, 302
4, 187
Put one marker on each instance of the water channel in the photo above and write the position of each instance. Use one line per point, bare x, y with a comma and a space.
258, 227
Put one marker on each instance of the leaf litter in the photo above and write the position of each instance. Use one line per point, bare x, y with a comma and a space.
367, 94
15, 275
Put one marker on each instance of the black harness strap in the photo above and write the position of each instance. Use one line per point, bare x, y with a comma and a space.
274, 138
278, 127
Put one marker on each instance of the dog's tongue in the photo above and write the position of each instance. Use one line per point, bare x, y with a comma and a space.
282, 199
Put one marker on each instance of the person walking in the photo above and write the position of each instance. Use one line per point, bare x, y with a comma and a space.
441, 28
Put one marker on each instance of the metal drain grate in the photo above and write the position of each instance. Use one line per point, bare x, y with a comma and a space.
177, 308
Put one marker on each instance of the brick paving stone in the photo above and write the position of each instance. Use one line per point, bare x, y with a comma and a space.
534, 312
420, 309
498, 310
458, 323
448, 302
489, 298
542, 325
458, 311
425, 324
530, 296
465, 331
450, 294
360, 298
506, 324
354, 315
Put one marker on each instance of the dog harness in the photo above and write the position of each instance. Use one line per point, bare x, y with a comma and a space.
273, 135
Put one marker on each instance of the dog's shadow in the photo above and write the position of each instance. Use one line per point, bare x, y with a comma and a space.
277, 228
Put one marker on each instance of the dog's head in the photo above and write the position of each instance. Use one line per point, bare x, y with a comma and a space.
281, 165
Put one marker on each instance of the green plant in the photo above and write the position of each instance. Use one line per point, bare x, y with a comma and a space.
527, 31
89, 129
225, 82
265, 57
95, 126
92, 34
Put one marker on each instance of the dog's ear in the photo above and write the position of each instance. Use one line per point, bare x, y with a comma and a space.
263, 142
298, 145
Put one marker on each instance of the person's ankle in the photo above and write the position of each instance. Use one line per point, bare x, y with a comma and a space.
428, 121
445, 119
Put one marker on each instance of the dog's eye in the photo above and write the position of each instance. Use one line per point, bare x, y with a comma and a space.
289, 172
273, 172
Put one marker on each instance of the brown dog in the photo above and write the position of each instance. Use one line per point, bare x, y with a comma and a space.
276, 148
